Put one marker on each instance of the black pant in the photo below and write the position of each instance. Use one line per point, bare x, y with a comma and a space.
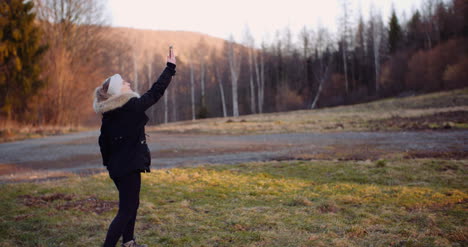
129, 200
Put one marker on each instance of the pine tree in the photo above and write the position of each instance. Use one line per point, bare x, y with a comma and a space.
394, 33
20, 55
460, 8
415, 35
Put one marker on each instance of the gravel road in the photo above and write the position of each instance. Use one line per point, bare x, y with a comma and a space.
78, 153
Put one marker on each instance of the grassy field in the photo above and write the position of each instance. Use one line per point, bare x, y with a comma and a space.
395, 202
442, 110
409, 199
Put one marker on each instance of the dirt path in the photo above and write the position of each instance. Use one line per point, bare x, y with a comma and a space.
78, 153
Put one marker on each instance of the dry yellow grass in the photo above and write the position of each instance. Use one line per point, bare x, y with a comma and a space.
361, 117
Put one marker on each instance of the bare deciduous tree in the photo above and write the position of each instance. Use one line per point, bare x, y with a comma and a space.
324, 60
221, 90
234, 68
166, 108
174, 99
250, 43
260, 75
345, 36
192, 89
305, 37
73, 30
201, 52
376, 29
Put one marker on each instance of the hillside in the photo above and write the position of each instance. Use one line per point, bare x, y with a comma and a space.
441, 110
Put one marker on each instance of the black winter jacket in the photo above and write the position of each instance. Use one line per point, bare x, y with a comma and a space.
123, 140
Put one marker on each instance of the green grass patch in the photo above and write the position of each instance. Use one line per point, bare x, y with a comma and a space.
296, 203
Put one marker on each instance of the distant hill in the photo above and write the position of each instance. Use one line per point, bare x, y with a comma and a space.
147, 43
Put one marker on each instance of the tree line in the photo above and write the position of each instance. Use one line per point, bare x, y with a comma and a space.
53, 53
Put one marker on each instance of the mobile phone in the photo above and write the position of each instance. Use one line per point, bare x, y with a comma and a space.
170, 51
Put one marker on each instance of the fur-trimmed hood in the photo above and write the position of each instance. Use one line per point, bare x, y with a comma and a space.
111, 103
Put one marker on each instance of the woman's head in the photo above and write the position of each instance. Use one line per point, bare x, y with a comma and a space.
113, 85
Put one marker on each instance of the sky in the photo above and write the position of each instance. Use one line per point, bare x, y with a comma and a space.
222, 18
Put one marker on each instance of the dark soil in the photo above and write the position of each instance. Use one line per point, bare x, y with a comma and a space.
61, 201
455, 155
442, 120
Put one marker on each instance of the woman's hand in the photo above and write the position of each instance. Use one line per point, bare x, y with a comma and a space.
171, 58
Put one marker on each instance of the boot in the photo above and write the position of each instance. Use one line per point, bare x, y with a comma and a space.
133, 243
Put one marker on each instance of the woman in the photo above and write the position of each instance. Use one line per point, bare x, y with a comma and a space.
123, 144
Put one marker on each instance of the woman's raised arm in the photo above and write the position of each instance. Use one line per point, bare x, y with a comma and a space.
158, 88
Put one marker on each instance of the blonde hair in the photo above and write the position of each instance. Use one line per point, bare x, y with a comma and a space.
101, 91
